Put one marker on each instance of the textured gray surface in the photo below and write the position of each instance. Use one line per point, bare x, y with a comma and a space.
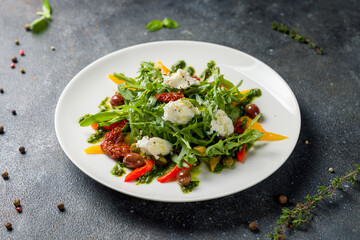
327, 89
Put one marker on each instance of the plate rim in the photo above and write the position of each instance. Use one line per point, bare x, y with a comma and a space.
71, 82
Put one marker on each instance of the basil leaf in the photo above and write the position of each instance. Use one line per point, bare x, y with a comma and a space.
154, 25
46, 10
170, 23
39, 25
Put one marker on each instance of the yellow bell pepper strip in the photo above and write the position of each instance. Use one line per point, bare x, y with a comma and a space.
140, 171
164, 70
241, 155
268, 136
114, 79
213, 162
94, 150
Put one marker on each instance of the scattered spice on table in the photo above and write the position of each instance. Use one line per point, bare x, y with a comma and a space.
306, 141
19, 209
52, 48
12, 65
27, 27
17, 42
22, 53
61, 206
22, 149
282, 199
331, 170
253, 226
5, 175
13, 112
1, 90
14, 59
8, 226
22, 71
17, 202
1, 129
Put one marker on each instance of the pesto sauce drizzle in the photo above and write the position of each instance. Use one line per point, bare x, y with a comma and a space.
178, 65
97, 136
103, 107
118, 170
208, 71
188, 188
190, 70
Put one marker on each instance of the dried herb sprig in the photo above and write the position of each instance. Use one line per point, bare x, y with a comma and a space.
301, 213
295, 35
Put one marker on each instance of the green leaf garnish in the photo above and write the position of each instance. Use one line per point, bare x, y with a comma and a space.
41, 23
170, 23
157, 24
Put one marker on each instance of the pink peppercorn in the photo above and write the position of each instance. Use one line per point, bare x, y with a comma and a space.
12, 65
22, 53
19, 209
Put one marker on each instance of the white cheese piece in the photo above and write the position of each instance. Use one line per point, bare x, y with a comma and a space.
180, 111
154, 146
222, 125
180, 80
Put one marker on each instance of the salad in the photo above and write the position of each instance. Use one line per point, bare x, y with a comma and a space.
166, 122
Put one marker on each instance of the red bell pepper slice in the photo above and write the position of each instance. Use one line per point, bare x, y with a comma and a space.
241, 155
117, 124
171, 175
140, 171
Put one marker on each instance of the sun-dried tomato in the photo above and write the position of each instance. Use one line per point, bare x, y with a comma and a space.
167, 97
237, 127
196, 77
113, 144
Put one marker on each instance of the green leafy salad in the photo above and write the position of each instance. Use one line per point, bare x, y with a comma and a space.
166, 122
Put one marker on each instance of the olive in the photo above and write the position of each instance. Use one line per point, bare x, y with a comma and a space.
117, 100
133, 160
252, 110
184, 177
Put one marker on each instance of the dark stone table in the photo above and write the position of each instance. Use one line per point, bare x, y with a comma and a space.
327, 88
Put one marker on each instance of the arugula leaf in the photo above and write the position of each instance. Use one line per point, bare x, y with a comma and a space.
170, 23
154, 25
46, 9
125, 92
99, 117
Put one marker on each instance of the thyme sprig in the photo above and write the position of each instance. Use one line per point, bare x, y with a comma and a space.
295, 35
301, 213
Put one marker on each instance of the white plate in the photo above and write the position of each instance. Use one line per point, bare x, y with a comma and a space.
277, 103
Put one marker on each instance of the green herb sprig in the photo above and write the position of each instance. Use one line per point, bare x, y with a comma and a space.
157, 24
42, 22
295, 35
301, 213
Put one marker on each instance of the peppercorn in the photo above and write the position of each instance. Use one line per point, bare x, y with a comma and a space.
8, 226
12, 65
19, 209
5, 175
14, 59
1, 129
61, 206
306, 141
52, 48
22, 53
17, 202
17, 42
331, 170
282, 199
13, 112
22, 71
253, 226
1, 90
27, 27
22, 149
